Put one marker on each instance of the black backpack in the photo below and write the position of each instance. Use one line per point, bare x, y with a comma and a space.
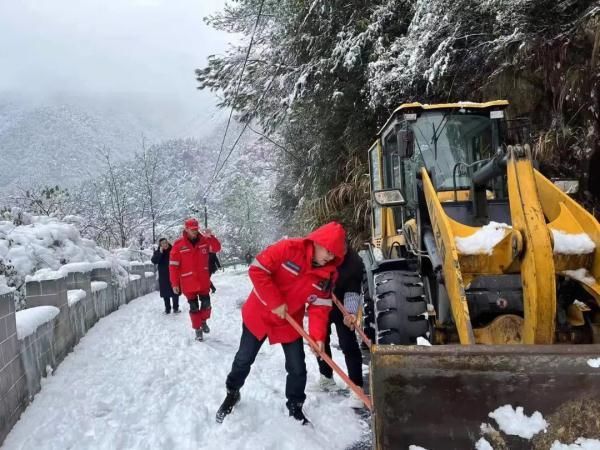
213, 263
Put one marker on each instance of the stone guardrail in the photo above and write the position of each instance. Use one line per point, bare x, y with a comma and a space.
25, 359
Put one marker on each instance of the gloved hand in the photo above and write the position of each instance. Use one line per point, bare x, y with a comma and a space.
280, 311
350, 321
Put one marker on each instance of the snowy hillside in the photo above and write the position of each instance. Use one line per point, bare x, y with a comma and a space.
157, 182
58, 142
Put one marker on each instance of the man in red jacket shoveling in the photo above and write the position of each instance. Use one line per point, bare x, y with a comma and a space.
189, 273
286, 277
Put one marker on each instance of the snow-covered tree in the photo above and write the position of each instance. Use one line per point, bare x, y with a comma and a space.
323, 75
42, 200
136, 202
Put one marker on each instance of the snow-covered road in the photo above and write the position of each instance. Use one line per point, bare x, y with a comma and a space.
138, 380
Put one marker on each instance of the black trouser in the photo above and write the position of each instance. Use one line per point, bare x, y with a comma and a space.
294, 365
167, 301
349, 345
200, 302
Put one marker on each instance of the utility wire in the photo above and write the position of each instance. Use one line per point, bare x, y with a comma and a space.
246, 125
237, 89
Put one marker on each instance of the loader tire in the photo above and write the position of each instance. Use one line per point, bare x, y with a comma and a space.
368, 316
400, 308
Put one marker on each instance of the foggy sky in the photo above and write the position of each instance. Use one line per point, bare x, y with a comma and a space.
138, 48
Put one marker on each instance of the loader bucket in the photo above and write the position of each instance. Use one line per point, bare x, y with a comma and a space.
438, 397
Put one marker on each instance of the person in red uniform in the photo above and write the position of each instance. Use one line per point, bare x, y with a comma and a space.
290, 276
189, 272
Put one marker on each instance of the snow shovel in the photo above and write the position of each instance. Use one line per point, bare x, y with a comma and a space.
345, 313
357, 390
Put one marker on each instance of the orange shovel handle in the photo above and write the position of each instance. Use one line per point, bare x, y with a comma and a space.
345, 313
358, 391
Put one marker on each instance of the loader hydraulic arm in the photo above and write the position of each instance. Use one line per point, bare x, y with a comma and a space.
494, 168
537, 264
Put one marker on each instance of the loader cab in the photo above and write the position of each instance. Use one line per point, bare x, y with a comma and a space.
451, 141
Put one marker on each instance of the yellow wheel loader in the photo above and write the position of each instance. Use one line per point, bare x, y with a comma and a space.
476, 252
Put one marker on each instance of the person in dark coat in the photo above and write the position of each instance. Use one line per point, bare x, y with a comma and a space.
161, 258
213, 265
347, 289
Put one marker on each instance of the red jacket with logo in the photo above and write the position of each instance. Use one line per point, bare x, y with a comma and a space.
188, 264
284, 273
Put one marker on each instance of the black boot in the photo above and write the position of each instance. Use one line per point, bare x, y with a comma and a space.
232, 399
295, 410
205, 327
199, 335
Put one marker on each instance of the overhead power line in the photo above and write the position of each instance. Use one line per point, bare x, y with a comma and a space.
235, 96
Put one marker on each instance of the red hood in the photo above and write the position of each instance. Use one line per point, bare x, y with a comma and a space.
332, 236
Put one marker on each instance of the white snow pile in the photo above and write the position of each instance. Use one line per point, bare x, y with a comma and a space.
28, 320
44, 248
45, 243
595, 363
139, 263
4, 288
415, 447
149, 274
579, 444
514, 421
99, 286
75, 295
423, 341
134, 277
572, 244
483, 241
581, 275
131, 254
81, 267
483, 444
45, 274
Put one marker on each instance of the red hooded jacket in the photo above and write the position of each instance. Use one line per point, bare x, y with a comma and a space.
188, 264
284, 273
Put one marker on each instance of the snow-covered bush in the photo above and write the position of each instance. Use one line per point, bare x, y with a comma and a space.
32, 244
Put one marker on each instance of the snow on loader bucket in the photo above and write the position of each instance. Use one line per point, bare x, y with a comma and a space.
438, 397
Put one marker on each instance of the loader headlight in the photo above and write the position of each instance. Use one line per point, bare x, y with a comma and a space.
567, 186
389, 197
